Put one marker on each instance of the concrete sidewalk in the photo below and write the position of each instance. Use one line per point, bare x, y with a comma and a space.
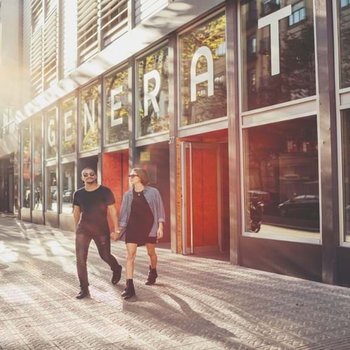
197, 303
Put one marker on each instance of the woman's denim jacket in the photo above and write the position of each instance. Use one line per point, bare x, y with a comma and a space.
154, 201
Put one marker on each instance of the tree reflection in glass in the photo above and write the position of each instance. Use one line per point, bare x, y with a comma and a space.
68, 126
117, 109
203, 72
294, 78
89, 115
153, 88
51, 133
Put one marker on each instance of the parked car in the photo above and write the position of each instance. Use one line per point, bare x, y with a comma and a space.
67, 196
301, 206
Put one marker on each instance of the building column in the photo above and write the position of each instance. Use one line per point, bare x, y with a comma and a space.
233, 131
327, 138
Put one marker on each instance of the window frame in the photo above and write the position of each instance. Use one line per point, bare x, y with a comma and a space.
122, 144
208, 125
161, 136
342, 104
293, 109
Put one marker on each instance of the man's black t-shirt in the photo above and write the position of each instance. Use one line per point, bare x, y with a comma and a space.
93, 206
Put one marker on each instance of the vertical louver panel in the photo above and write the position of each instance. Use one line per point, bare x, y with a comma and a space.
36, 62
87, 29
114, 19
36, 48
69, 36
37, 14
50, 5
27, 34
43, 45
50, 49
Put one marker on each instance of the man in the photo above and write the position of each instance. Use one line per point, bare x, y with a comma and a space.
91, 206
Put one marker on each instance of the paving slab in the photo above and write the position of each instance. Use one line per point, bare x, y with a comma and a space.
197, 303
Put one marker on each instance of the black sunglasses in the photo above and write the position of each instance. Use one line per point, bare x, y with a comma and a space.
88, 174
132, 175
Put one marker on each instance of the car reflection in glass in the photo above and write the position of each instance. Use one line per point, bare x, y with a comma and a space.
67, 196
301, 206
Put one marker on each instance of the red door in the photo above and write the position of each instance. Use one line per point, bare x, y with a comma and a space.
201, 209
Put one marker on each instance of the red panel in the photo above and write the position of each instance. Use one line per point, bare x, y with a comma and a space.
210, 193
204, 197
115, 174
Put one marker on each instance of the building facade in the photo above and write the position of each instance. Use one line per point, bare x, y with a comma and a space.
10, 69
239, 110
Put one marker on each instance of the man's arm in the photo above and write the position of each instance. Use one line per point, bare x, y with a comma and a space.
113, 216
76, 215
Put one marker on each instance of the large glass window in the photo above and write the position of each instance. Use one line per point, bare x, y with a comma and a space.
89, 117
117, 109
68, 187
51, 134
281, 178
283, 67
346, 172
344, 42
68, 126
153, 90
26, 164
52, 189
203, 72
38, 162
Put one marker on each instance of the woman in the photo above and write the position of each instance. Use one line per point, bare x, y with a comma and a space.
142, 218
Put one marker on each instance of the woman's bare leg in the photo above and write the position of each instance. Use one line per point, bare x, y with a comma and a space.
130, 259
151, 250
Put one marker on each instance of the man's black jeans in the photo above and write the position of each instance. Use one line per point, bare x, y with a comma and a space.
82, 243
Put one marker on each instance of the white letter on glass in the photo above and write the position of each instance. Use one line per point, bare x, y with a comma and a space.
273, 20
115, 105
151, 95
51, 137
68, 126
207, 76
89, 116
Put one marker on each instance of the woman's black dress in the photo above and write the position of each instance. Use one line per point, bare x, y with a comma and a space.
140, 221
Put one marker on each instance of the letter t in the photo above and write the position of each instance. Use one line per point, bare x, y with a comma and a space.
273, 20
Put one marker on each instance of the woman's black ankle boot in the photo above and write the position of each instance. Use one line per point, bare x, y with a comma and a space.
129, 291
152, 276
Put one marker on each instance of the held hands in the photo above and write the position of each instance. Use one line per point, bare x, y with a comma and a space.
115, 235
160, 232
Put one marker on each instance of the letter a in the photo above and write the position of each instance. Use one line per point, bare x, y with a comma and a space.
200, 78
